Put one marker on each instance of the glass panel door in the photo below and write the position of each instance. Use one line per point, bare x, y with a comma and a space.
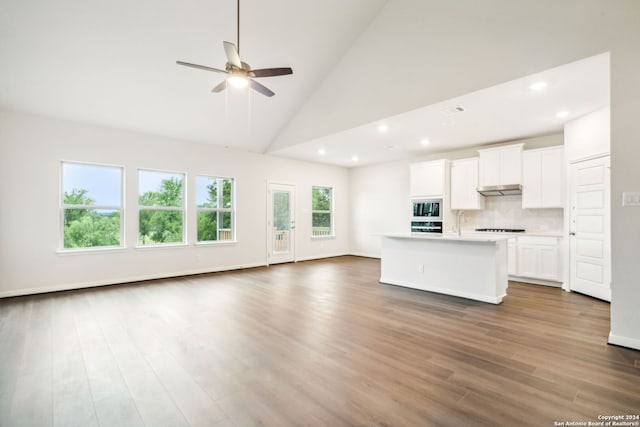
281, 223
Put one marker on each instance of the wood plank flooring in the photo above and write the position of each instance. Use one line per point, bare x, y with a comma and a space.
318, 343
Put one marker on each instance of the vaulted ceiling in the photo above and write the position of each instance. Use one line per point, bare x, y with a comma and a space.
355, 62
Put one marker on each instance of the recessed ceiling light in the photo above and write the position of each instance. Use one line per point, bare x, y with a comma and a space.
354, 158
383, 128
424, 142
538, 86
562, 114
321, 152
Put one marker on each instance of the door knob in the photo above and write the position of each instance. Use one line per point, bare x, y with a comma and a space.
572, 234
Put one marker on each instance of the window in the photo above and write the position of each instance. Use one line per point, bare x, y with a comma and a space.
91, 206
214, 201
160, 207
321, 211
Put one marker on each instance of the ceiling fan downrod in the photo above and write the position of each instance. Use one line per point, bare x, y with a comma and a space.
238, 27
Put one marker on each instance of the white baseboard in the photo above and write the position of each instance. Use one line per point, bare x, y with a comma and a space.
119, 281
364, 254
624, 341
535, 281
445, 291
313, 257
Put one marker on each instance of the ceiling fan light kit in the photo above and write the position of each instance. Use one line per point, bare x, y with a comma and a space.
240, 74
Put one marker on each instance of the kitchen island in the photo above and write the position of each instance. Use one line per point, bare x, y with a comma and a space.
473, 267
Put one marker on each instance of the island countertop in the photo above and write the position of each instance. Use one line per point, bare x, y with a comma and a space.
447, 237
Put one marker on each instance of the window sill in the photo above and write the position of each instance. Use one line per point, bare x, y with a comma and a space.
333, 236
217, 243
88, 251
162, 246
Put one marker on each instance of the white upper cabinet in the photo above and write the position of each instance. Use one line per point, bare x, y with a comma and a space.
429, 179
500, 165
464, 182
543, 178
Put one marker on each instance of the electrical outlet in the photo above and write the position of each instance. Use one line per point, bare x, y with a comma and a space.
420, 268
630, 199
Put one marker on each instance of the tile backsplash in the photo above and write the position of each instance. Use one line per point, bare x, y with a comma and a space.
507, 212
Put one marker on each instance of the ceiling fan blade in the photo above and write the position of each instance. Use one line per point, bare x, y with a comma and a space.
222, 86
260, 88
201, 67
271, 72
232, 54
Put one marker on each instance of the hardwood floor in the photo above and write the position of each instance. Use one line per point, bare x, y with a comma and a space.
315, 343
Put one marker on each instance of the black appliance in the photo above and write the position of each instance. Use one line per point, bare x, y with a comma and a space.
426, 227
502, 230
427, 209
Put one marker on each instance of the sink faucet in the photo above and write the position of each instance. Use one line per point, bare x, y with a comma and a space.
459, 217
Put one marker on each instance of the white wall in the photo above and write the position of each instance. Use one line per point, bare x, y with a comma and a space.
625, 176
380, 200
31, 149
588, 136
379, 204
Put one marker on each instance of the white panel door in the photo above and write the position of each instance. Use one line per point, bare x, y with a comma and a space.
590, 253
281, 224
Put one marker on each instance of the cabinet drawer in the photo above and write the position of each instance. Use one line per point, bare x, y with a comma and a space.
537, 240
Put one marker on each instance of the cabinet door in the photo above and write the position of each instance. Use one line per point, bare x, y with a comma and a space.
551, 178
458, 184
427, 179
511, 165
527, 260
531, 180
489, 173
512, 258
548, 262
464, 185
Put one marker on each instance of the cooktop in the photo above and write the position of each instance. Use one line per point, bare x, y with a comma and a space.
502, 230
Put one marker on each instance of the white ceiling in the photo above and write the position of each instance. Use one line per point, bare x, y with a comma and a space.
503, 112
355, 63
113, 62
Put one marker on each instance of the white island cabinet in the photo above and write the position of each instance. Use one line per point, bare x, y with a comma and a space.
467, 267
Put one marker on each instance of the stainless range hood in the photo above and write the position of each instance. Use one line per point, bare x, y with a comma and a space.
501, 190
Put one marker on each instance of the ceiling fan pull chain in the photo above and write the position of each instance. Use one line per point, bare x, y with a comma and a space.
238, 27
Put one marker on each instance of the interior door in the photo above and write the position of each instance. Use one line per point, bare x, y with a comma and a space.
281, 225
590, 228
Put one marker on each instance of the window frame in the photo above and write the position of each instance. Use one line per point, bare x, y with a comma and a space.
330, 212
182, 209
231, 210
62, 207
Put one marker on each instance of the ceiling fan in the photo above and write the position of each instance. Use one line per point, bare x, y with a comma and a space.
240, 74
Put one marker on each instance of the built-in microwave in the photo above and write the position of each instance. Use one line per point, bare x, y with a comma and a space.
427, 209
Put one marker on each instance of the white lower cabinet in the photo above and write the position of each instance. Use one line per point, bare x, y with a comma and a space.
512, 257
538, 258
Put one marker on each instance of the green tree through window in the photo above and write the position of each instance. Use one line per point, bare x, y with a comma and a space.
91, 205
321, 211
214, 201
161, 213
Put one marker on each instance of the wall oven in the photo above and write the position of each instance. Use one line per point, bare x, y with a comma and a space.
426, 227
427, 209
